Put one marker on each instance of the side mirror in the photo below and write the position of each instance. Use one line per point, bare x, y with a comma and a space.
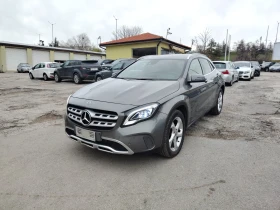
32, 68
237, 67
197, 78
252, 66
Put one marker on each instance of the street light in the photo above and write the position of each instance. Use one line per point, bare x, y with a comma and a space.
277, 31
168, 32
52, 31
99, 39
116, 27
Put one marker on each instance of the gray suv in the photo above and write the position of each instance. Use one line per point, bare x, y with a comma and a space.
147, 106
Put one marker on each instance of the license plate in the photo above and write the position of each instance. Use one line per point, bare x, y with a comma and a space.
94, 69
85, 134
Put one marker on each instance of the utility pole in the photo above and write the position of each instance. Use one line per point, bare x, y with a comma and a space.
52, 31
229, 47
266, 37
39, 39
226, 47
277, 31
97, 40
116, 27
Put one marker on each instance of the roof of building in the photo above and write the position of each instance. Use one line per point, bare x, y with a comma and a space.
141, 38
4, 43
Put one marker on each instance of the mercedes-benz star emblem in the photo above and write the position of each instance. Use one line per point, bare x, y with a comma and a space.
86, 118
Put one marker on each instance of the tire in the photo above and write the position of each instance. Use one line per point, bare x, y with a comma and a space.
31, 76
253, 76
98, 78
45, 77
57, 77
231, 82
175, 127
266, 69
77, 79
237, 79
217, 109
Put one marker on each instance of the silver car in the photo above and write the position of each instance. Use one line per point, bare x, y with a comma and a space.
228, 70
23, 67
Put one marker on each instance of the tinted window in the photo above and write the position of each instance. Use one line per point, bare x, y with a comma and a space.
127, 63
195, 68
117, 66
66, 63
154, 69
43, 65
220, 65
205, 66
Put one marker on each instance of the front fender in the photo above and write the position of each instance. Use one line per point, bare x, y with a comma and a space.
181, 101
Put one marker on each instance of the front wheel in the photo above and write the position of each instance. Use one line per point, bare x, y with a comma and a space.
98, 78
217, 109
266, 69
77, 78
31, 76
57, 78
173, 135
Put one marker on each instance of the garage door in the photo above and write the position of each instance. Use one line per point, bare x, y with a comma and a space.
61, 56
39, 56
95, 57
14, 57
80, 57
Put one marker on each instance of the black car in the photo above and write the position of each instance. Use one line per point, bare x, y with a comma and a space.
77, 70
106, 62
257, 67
108, 72
108, 66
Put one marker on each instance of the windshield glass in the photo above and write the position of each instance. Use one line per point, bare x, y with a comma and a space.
242, 64
154, 69
220, 65
25, 65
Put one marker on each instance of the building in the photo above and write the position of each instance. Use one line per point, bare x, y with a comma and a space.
11, 54
141, 45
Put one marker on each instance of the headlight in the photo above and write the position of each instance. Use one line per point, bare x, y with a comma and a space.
140, 114
68, 99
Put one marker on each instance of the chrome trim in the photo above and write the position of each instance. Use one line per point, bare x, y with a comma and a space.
93, 123
103, 148
75, 111
93, 114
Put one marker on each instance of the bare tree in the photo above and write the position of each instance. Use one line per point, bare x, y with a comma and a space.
79, 42
202, 40
126, 31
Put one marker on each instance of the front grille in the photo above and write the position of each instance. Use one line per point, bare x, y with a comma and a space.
99, 119
241, 72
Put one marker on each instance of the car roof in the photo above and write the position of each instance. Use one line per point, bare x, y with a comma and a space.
222, 61
174, 56
242, 61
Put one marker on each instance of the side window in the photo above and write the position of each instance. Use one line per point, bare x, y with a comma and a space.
66, 63
205, 66
127, 63
118, 66
43, 65
37, 66
195, 68
211, 66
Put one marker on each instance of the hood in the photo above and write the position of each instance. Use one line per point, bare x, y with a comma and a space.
244, 69
133, 92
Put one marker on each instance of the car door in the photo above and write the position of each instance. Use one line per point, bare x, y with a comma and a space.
40, 71
196, 91
35, 70
63, 69
211, 84
69, 70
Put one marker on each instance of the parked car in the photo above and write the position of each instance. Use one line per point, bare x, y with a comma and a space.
265, 66
275, 67
106, 61
245, 69
43, 70
108, 66
147, 106
106, 73
23, 67
257, 67
228, 70
77, 70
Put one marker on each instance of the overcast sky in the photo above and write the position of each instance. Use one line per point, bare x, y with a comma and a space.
23, 20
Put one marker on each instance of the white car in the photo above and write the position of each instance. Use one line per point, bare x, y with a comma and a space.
245, 69
43, 70
228, 70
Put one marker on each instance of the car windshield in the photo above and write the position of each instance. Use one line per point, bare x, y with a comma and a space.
276, 64
25, 65
115, 62
154, 69
219, 65
242, 64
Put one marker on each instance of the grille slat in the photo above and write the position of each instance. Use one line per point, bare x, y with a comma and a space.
98, 119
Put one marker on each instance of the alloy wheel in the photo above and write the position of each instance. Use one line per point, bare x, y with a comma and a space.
220, 102
76, 79
176, 134
98, 79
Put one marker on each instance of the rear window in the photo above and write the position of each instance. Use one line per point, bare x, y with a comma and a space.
89, 62
53, 65
220, 65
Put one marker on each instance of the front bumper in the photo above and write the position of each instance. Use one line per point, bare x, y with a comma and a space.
245, 76
141, 137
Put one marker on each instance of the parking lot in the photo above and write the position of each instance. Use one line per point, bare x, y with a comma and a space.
231, 161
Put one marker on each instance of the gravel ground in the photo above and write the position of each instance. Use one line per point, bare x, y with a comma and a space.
227, 162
